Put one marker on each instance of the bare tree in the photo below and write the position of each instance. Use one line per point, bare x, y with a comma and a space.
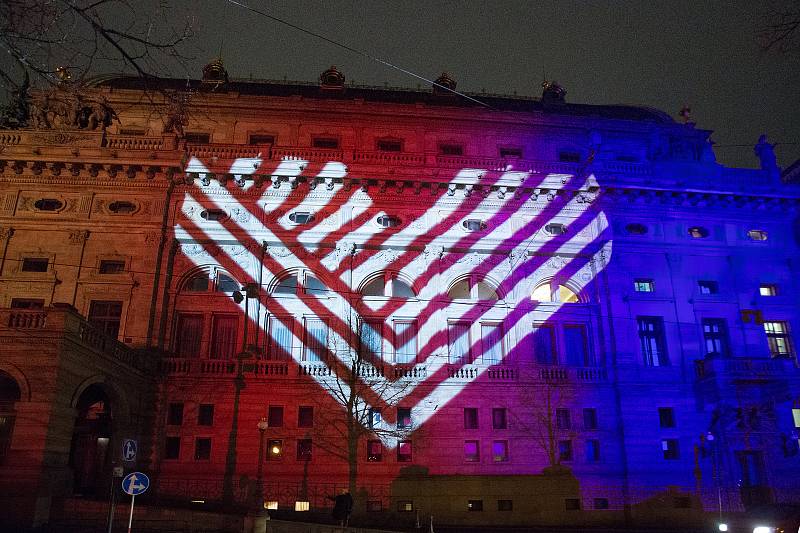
53, 42
779, 27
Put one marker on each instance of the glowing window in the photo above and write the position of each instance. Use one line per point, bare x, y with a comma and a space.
213, 214
301, 506
48, 204
636, 229
388, 221
472, 453
698, 232
644, 285
768, 290
555, 228
474, 224
757, 235
301, 217
547, 293
778, 339
500, 451
565, 295
274, 449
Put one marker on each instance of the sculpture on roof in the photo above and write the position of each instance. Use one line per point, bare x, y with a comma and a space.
331, 78
766, 156
214, 74
552, 92
444, 84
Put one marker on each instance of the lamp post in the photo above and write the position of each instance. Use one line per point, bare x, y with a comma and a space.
260, 516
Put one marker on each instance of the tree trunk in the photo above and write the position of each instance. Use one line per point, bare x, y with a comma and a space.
352, 457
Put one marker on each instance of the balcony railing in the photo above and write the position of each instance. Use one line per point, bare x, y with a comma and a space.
741, 367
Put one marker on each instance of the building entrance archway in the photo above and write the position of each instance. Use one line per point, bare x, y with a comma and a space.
89, 454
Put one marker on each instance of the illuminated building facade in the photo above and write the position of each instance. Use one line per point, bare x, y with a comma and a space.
526, 312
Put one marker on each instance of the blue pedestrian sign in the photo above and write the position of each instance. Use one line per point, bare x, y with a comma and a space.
129, 447
135, 483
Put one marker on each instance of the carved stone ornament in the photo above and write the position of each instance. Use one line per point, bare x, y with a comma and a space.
387, 256
194, 250
69, 107
557, 263
151, 238
78, 236
6, 233
279, 251
433, 252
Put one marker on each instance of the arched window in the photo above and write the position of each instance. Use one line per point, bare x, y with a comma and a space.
472, 288
215, 280
552, 292
300, 282
388, 284
9, 395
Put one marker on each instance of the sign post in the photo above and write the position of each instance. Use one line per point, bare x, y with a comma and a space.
133, 484
129, 449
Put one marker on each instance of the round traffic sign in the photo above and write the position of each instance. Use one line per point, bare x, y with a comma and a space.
135, 483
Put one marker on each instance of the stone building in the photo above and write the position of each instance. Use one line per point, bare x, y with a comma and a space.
497, 309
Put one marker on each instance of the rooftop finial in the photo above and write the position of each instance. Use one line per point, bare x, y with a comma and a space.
552, 92
331, 79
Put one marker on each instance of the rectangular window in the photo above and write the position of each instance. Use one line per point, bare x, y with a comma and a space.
111, 267
280, 339
796, 417
202, 449
708, 287
404, 451
316, 340
35, 264
592, 450
27, 303
305, 416
172, 448
576, 345
472, 451
768, 289
304, 449
329, 143
371, 337
505, 505
475, 505
651, 336
374, 418
404, 418
500, 451
451, 149
259, 138
275, 416
188, 335
499, 420
197, 138
223, 336
374, 451
274, 449
470, 418
405, 342
565, 450
601, 504
666, 417
507, 152
643, 285
778, 339
175, 414
458, 342
105, 316
492, 344
589, 418
715, 337
388, 145
670, 449
405, 506
205, 415
563, 419
544, 345
572, 504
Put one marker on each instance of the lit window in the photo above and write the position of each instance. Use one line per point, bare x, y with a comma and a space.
205, 415
670, 449
301, 217
329, 143
35, 264
554, 293
644, 285
499, 420
213, 215
111, 267
768, 290
374, 418
280, 339
202, 449
470, 418
757, 235
274, 449
698, 232
653, 341
778, 339
301, 506
387, 221
374, 451
500, 451
796, 417
708, 287
636, 229
474, 224
405, 506
555, 228
565, 450
592, 450
666, 417
404, 451
563, 419
472, 452
304, 449
715, 337
305, 416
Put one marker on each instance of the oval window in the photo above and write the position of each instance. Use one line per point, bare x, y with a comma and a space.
555, 229
636, 229
473, 224
301, 217
388, 221
213, 214
698, 232
48, 204
757, 235
121, 207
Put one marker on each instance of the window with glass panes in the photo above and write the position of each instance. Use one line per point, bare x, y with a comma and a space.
653, 342
778, 338
105, 316
715, 337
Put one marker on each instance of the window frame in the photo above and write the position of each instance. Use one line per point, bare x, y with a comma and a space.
653, 338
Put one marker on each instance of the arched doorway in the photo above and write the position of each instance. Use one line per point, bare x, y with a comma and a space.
89, 455
9, 396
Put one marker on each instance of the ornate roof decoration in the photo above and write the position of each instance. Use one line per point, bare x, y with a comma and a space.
331, 79
214, 74
443, 83
553, 93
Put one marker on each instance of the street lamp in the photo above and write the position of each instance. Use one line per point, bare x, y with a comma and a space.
260, 515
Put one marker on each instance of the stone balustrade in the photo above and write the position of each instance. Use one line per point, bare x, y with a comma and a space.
743, 367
